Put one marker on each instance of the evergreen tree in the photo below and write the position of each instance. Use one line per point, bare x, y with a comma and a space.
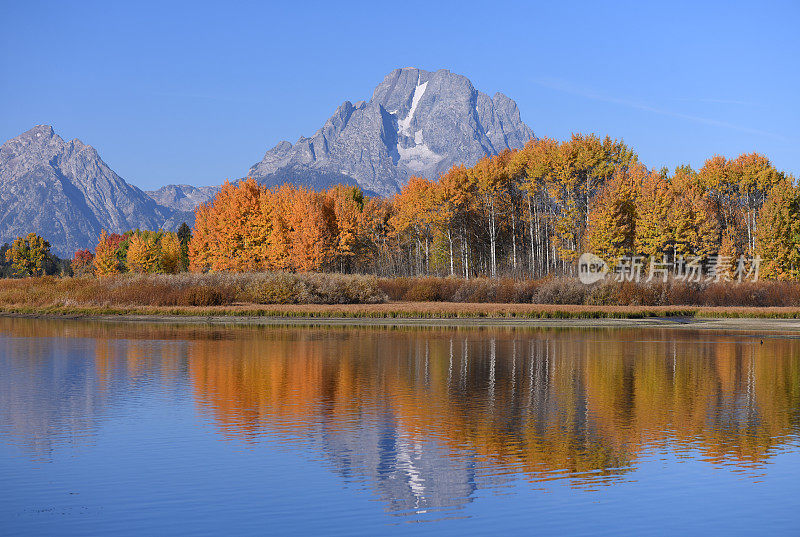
184, 236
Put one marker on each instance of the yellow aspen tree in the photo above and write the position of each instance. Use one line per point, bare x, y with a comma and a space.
28, 254
490, 178
348, 206
754, 176
170, 253
654, 200
144, 254
412, 220
693, 215
778, 233
612, 222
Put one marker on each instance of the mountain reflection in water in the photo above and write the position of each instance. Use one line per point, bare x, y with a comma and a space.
423, 417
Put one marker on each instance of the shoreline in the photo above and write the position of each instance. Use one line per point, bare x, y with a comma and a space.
437, 314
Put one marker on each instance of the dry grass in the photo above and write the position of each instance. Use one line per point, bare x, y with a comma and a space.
437, 289
414, 310
219, 289
572, 291
423, 297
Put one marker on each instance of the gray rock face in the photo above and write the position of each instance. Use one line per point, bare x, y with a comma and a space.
417, 123
182, 197
66, 193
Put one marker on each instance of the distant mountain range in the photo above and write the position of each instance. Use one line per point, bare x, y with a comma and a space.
182, 197
416, 123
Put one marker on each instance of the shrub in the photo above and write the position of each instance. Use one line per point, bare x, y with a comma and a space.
217, 289
204, 296
561, 291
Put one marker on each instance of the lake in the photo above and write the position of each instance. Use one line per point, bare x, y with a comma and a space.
157, 429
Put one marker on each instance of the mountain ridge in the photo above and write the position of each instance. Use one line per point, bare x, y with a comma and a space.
416, 123
65, 192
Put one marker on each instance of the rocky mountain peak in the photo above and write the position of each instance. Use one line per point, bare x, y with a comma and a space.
65, 192
417, 122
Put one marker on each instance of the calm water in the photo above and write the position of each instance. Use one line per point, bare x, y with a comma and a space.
153, 429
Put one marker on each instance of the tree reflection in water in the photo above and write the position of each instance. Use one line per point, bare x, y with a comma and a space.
427, 416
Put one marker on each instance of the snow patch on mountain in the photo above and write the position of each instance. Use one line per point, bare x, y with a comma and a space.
418, 158
404, 125
417, 123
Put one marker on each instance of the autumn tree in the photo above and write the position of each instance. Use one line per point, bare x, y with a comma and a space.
452, 209
82, 263
312, 233
144, 253
228, 233
739, 188
171, 253
778, 233
276, 206
533, 168
28, 255
107, 254
202, 247
380, 256
612, 220
413, 219
692, 216
655, 233
491, 188
348, 209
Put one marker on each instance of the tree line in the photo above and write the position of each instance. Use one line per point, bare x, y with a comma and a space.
136, 251
524, 213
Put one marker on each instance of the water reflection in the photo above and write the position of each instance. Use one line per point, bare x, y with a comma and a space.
424, 417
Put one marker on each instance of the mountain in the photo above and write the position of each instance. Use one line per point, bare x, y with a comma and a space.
182, 197
416, 123
66, 193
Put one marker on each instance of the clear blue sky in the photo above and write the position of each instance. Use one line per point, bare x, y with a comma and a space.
196, 92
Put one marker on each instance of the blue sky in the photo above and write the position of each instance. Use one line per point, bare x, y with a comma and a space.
196, 92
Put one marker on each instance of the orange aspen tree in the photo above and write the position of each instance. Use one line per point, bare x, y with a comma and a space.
311, 231
201, 243
276, 204
106, 254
